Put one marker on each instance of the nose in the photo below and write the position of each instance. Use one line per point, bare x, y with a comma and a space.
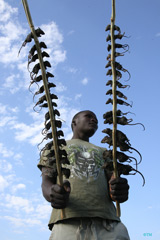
94, 120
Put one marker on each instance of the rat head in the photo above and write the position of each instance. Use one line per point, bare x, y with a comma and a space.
84, 125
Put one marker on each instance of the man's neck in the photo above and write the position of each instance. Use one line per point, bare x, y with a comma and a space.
81, 137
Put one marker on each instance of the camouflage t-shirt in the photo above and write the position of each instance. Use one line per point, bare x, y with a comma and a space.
89, 188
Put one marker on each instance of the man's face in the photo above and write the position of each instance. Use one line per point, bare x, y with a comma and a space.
86, 123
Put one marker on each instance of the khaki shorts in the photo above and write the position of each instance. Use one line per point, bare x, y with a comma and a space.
89, 229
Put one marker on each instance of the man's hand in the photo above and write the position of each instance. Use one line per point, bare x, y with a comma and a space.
118, 189
59, 196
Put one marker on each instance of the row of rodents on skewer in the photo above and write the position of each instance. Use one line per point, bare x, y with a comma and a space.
122, 142
36, 78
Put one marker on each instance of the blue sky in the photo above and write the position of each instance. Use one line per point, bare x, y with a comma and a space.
75, 36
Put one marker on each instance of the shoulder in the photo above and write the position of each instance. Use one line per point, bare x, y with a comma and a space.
46, 161
102, 149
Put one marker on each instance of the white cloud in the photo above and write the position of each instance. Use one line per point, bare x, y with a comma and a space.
84, 81
5, 166
18, 203
66, 111
11, 36
158, 35
10, 84
37, 139
60, 87
70, 69
52, 36
17, 222
68, 135
6, 121
30, 132
54, 39
26, 213
4, 151
9, 81
23, 82
7, 115
32, 222
42, 211
35, 115
22, 131
6, 110
70, 32
17, 187
67, 114
3, 183
14, 109
3, 109
17, 159
78, 96
23, 222
6, 11
11, 30
58, 56
18, 156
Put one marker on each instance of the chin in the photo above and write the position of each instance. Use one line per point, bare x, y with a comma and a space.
91, 132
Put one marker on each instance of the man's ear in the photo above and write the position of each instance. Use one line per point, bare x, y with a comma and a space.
73, 124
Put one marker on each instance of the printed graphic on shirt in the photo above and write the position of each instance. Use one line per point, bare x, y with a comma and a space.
86, 162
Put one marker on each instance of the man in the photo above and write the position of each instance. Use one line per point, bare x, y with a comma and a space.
87, 196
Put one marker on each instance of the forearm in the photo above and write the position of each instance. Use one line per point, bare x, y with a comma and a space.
47, 183
46, 190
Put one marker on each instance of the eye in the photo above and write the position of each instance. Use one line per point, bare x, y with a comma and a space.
91, 116
88, 115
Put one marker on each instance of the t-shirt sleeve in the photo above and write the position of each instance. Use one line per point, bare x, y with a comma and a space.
46, 161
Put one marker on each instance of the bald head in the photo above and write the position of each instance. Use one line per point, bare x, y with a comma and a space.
77, 114
84, 125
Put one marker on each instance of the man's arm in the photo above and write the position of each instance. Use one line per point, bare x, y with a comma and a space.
55, 194
47, 183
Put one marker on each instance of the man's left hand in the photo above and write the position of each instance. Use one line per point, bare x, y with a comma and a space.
118, 188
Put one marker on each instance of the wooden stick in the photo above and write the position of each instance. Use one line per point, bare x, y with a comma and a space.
49, 101
114, 98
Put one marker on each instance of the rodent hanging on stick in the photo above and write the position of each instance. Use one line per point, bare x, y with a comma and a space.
116, 138
46, 101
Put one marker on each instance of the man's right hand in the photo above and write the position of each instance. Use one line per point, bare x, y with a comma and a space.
59, 196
